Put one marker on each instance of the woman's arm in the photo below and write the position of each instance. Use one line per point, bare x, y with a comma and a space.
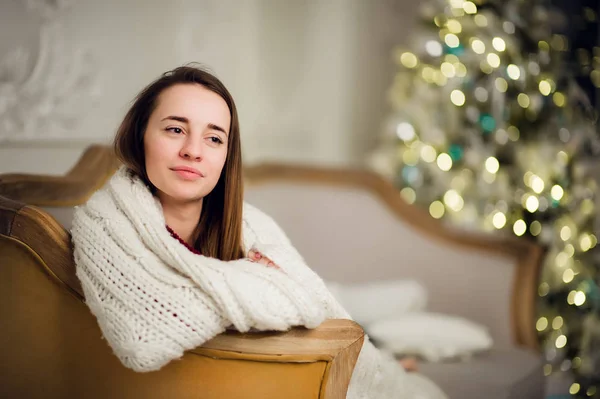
146, 324
271, 242
251, 295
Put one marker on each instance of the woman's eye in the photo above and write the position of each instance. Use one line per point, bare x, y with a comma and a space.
175, 130
216, 140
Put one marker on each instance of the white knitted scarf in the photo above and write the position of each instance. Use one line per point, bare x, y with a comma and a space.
155, 299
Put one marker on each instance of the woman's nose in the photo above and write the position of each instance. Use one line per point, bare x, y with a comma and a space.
192, 151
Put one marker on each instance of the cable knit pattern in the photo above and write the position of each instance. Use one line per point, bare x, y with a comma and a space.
155, 299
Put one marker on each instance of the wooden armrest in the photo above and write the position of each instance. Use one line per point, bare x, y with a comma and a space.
337, 341
44, 236
329, 338
91, 171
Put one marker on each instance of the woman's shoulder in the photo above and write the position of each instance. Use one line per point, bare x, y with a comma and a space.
260, 223
251, 213
254, 217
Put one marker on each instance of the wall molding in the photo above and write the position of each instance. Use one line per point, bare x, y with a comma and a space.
48, 102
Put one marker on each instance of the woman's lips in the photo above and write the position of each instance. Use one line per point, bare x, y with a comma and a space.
187, 174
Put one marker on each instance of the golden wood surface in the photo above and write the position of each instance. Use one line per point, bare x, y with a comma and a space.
94, 166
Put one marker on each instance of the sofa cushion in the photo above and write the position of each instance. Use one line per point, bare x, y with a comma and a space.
498, 374
62, 214
431, 336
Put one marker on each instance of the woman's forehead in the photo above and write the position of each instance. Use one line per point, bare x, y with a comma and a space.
193, 102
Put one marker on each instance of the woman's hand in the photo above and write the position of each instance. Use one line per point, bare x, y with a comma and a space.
256, 256
409, 363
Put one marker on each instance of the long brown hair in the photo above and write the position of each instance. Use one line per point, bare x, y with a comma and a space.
220, 224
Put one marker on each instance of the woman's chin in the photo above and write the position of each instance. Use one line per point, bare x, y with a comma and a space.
188, 195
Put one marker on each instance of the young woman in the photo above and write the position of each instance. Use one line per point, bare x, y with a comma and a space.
169, 255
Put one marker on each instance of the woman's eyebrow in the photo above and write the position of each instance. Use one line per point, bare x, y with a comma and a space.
183, 119
216, 127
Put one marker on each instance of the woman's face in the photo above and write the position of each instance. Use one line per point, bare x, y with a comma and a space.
185, 142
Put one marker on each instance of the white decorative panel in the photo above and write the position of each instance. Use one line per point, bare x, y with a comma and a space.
45, 87
309, 76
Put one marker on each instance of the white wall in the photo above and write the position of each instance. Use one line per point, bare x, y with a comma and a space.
309, 76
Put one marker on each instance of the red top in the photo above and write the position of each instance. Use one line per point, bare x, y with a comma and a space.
174, 235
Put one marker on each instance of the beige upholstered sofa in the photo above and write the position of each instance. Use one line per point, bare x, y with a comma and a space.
352, 226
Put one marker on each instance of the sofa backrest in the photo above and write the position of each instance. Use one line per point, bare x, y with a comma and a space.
62, 214
58, 195
354, 227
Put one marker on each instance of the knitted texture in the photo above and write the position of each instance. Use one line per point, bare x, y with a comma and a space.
155, 299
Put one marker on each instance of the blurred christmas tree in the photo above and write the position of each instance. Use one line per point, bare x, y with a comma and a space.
491, 131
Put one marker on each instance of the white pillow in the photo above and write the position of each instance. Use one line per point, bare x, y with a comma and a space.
379, 300
432, 336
